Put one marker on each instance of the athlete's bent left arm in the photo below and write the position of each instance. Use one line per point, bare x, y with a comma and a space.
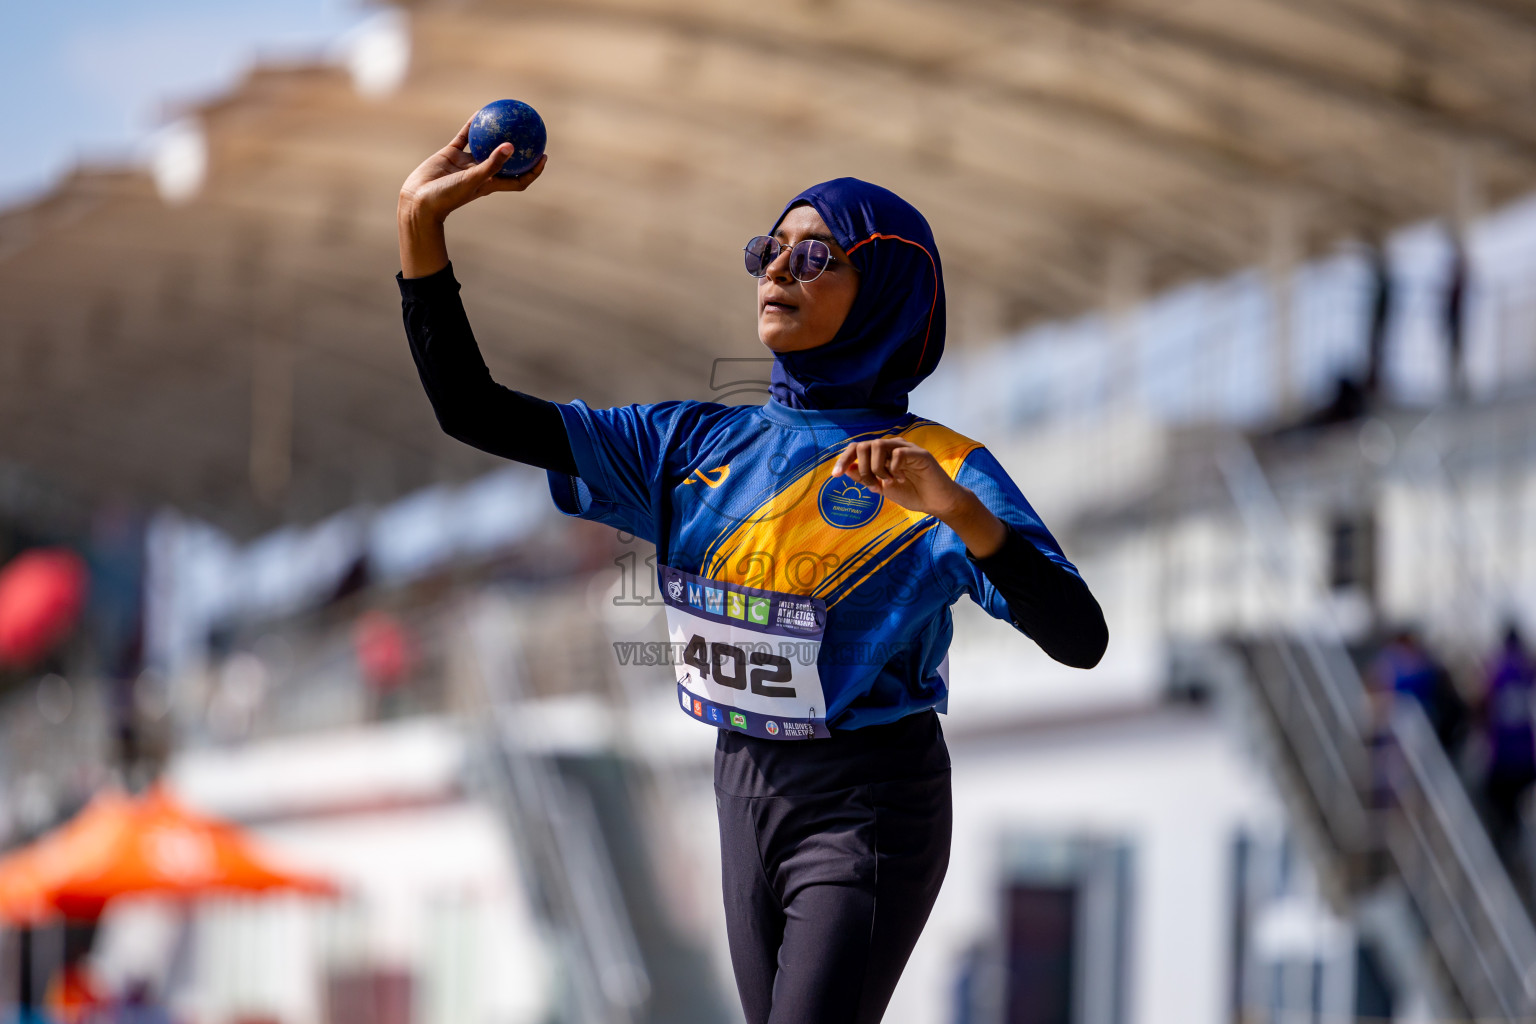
1046, 600
1051, 605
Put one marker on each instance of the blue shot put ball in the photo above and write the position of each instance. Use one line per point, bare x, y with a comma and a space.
508, 121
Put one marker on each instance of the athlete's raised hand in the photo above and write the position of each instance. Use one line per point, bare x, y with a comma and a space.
449, 178
442, 183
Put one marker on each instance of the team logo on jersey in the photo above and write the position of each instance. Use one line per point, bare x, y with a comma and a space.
772, 727
803, 508
845, 504
714, 601
696, 595
712, 477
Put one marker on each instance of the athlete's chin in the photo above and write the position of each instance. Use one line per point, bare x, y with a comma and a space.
784, 338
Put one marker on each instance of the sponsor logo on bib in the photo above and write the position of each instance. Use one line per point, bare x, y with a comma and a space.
757, 610
772, 727
735, 605
738, 719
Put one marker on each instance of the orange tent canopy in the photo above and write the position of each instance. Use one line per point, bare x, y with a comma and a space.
120, 845
29, 876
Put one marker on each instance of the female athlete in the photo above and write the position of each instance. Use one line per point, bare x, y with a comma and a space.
808, 551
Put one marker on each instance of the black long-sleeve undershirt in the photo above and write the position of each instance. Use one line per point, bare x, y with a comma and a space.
470, 406
1048, 603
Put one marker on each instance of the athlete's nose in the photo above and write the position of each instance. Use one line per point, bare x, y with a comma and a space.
778, 270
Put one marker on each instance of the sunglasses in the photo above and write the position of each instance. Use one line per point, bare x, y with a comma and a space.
807, 259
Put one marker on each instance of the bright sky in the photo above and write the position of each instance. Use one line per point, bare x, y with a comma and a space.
89, 80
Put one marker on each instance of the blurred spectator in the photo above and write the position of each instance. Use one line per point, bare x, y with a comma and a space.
1453, 310
1349, 402
139, 1006
1376, 329
117, 564
1404, 668
386, 654
1505, 713
74, 997
967, 991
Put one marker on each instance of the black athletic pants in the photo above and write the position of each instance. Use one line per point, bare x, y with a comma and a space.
833, 853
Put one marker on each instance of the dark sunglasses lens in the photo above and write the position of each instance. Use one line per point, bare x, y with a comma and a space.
809, 259
759, 253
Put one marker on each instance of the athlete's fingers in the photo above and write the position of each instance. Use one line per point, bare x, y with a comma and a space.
461, 141
851, 463
483, 176
877, 460
841, 465
858, 463
488, 167
904, 456
521, 181
913, 458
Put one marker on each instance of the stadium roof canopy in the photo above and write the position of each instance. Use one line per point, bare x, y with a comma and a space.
239, 353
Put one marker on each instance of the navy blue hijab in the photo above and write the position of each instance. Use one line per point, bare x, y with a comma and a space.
894, 334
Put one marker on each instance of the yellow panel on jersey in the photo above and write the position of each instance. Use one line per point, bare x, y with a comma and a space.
790, 544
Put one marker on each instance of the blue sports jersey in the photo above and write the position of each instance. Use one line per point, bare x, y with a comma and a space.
744, 494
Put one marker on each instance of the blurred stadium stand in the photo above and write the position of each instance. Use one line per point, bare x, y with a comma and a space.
1069, 156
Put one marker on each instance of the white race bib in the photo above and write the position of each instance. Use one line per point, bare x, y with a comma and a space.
746, 658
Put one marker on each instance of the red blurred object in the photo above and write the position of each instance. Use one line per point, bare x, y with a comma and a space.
384, 650
120, 845
42, 593
74, 996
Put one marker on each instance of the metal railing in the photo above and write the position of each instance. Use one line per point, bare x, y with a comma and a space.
1325, 725
1325, 750
1476, 922
555, 830
1471, 908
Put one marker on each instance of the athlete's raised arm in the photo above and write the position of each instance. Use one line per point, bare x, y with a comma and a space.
469, 405
445, 181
